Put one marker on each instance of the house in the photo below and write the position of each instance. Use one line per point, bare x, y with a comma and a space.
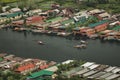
103, 33
54, 20
52, 68
95, 11
13, 16
3, 19
67, 22
40, 75
87, 64
13, 10
23, 69
88, 32
99, 26
104, 15
32, 12
116, 28
29, 21
4, 8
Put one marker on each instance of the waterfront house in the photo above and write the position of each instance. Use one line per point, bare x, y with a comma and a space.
9, 57
52, 68
54, 27
67, 62
96, 75
3, 55
79, 30
76, 30
112, 77
99, 26
23, 69
92, 72
87, 64
104, 33
29, 21
88, 32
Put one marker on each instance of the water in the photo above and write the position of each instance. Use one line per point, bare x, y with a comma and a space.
58, 48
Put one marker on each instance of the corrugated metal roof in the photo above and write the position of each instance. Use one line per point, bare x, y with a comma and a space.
67, 21
87, 64
54, 19
98, 23
116, 28
13, 14
40, 73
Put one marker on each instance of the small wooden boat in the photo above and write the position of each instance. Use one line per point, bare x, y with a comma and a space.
83, 42
80, 46
40, 42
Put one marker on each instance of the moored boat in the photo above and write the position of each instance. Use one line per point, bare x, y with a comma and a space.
80, 46
40, 42
83, 42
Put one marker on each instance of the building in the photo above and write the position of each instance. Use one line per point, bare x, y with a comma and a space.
13, 10
23, 69
41, 75
88, 32
99, 26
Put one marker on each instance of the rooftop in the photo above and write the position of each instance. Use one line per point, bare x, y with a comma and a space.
116, 28
54, 19
98, 23
40, 73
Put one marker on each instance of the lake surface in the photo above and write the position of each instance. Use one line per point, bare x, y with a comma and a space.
58, 48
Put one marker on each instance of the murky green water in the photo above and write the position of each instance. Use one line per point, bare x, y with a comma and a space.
58, 48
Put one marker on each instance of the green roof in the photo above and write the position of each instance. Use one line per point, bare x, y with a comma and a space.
76, 28
54, 19
13, 14
1, 59
98, 23
67, 21
62, 27
116, 28
40, 73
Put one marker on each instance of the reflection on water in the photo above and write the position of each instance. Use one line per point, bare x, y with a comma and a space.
56, 48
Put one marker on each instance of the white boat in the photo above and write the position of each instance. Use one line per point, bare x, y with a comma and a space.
40, 42
83, 42
80, 46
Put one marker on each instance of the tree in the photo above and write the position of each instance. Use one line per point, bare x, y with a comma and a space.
0, 8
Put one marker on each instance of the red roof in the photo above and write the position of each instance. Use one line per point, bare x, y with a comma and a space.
25, 67
35, 19
44, 66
